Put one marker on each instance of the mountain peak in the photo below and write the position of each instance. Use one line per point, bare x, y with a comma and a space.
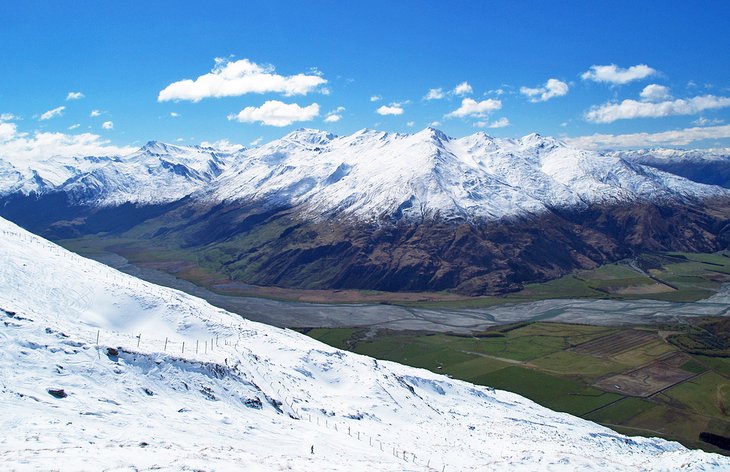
156, 147
310, 136
433, 133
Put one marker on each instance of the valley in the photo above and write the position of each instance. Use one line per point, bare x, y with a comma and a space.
604, 352
636, 380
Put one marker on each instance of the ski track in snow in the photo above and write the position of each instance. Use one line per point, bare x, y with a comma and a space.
258, 400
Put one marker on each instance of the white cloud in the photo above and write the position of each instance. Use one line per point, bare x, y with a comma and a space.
74, 96
95, 113
470, 107
233, 79
393, 109
325, 91
223, 145
7, 131
58, 111
462, 89
681, 137
276, 113
552, 88
375, 98
174, 114
702, 121
500, 123
615, 75
628, 109
435, 124
655, 93
24, 146
8, 117
411, 124
435, 94
334, 115
74, 126
107, 125
256, 141
481, 124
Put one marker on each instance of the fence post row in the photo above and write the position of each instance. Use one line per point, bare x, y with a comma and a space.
216, 341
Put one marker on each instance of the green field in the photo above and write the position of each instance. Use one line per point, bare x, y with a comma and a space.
547, 363
673, 276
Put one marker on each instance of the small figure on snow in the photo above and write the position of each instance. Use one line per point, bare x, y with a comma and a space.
311, 450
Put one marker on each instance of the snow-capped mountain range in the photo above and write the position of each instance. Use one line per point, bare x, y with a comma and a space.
156, 173
381, 211
368, 175
94, 375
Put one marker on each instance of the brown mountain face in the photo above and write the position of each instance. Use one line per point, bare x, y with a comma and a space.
281, 247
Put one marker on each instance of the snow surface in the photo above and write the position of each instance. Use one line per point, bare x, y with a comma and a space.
367, 175
669, 155
246, 396
157, 173
371, 174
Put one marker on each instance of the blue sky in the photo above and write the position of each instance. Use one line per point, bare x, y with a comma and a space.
604, 74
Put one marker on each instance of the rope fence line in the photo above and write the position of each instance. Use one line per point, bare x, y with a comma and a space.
274, 392
213, 344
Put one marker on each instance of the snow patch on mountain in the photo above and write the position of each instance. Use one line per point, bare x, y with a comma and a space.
368, 175
157, 173
373, 174
94, 375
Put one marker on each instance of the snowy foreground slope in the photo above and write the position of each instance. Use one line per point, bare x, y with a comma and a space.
257, 400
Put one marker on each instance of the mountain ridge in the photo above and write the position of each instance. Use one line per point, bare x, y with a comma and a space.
377, 210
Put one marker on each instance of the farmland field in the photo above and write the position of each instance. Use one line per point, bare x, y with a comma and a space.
630, 379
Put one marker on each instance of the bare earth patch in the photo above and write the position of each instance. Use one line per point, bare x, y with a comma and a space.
649, 379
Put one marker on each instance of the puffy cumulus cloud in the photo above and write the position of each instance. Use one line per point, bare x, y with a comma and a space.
233, 79
655, 93
435, 94
470, 107
95, 113
612, 74
107, 125
628, 109
462, 89
7, 131
24, 146
334, 116
75, 96
552, 88
276, 113
8, 117
500, 123
681, 137
392, 109
375, 98
223, 145
58, 111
